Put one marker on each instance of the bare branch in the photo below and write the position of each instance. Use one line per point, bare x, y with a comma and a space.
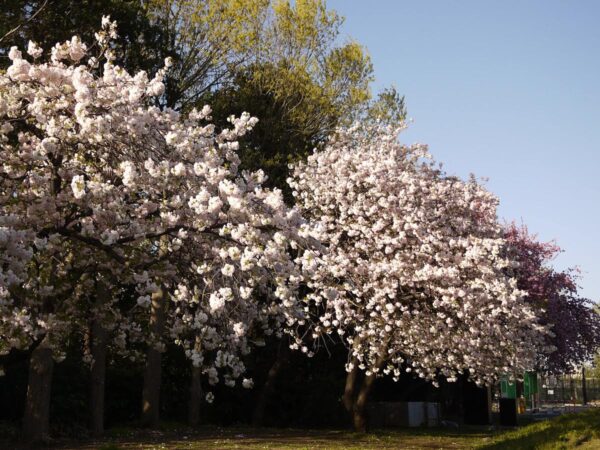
33, 16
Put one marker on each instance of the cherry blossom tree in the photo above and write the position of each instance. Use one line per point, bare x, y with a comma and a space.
102, 190
414, 276
572, 320
15, 255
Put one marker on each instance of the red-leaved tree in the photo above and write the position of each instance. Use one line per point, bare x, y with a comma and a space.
573, 321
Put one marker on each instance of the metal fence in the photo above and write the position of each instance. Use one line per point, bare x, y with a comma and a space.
568, 389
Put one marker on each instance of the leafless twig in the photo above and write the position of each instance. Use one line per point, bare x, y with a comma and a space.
15, 29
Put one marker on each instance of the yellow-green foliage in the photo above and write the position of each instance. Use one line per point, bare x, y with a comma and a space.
213, 40
283, 61
302, 60
208, 39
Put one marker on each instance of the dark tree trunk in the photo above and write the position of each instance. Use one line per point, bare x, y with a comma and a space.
152, 373
359, 411
97, 378
36, 420
99, 343
350, 387
356, 394
283, 353
195, 401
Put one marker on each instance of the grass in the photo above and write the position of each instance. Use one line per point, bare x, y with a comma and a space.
573, 431
249, 439
580, 431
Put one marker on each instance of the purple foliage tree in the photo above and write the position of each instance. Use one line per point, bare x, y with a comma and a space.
574, 321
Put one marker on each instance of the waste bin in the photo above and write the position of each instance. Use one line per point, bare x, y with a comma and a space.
508, 412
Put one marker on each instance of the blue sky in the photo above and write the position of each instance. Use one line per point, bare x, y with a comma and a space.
508, 90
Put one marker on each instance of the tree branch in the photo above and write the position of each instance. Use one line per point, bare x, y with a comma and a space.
33, 16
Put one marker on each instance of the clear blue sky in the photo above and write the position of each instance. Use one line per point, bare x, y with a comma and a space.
508, 90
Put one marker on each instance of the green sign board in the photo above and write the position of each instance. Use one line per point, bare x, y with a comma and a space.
530, 388
508, 389
527, 389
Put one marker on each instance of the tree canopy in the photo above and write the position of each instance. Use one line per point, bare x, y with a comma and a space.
574, 321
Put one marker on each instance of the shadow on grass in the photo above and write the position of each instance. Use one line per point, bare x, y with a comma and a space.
567, 431
581, 431
255, 438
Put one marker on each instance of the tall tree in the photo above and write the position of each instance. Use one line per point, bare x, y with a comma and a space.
100, 186
138, 45
282, 61
573, 320
413, 278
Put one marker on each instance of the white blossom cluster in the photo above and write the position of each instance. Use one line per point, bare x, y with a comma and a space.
414, 276
15, 254
105, 196
98, 185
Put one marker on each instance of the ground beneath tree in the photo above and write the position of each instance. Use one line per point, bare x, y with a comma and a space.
247, 438
570, 431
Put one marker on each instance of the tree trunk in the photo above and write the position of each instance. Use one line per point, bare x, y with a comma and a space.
359, 411
99, 342
283, 351
36, 420
97, 378
356, 402
152, 373
195, 400
350, 387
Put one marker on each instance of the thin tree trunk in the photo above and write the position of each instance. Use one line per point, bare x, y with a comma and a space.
99, 343
350, 387
152, 373
36, 420
258, 417
195, 401
584, 396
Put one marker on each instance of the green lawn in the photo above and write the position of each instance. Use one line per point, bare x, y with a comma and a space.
580, 431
